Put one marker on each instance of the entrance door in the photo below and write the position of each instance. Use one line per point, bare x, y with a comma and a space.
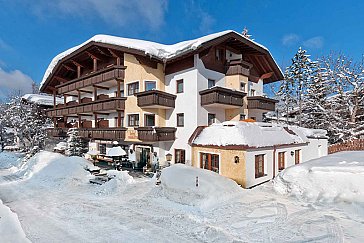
142, 157
281, 162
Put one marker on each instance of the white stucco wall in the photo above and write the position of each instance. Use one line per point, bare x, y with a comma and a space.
258, 87
315, 149
250, 167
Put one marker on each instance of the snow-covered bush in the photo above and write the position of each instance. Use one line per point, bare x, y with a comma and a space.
76, 146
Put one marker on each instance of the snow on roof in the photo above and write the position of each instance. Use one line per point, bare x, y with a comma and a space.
41, 99
251, 134
256, 134
150, 48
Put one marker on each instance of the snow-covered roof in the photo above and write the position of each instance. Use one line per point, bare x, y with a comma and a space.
254, 134
41, 99
153, 49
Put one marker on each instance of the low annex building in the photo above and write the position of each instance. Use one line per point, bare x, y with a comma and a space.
251, 152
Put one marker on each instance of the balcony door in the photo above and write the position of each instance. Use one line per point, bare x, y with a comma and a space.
210, 162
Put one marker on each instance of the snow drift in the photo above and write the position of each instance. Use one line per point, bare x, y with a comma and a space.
10, 228
117, 184
9, 160
47, 169
178, 184
337, 177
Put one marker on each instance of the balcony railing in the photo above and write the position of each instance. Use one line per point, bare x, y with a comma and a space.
91, 133
156, 99
236, 67
110, 104
110, 73
262, 103
57, 132
155, 134
115, 133
219, 96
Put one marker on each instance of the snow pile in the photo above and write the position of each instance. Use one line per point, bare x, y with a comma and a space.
178, 184
337, 177
10, 228
117, 184
41, 99
246, 133
309, 133
51, 170
9, 160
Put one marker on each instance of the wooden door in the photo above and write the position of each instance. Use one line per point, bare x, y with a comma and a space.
297, 156
281, 161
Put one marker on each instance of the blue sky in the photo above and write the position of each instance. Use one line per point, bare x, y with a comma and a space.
32, 32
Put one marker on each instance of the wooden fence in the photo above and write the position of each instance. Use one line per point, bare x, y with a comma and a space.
354, 145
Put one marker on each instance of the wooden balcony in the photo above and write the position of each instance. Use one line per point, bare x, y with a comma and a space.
111, 104
262, 103
156, 99
57, 132
222, 97
238, 67
155, 134
115, 133
106, 74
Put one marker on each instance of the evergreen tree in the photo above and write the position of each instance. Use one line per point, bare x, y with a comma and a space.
76, 146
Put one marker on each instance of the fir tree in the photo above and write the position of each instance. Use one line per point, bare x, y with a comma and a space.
76, 146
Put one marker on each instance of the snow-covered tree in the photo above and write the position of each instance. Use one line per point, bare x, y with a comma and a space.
25, 123
76, 146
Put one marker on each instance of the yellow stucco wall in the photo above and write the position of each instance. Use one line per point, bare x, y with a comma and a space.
228, 168
137, 72
233, 82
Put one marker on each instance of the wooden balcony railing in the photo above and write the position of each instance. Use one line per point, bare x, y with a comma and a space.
260, 102
103, 133
155, 134
236, 67
110, 73
219, 96
110, 104
156, 99
57, 132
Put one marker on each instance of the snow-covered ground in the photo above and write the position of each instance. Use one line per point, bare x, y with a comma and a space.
55, 203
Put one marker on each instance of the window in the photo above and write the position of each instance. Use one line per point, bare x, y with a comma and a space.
179, 156
150, 85
211, 83
219, 54
281, 163
242, 86
133, 120
242, 117
133, 88
259, 165
179, 86
297, 156
102, 148
149, 120
252, 92
209, 162
211, 118
180, 120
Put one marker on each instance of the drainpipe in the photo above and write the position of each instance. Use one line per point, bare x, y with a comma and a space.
274, 161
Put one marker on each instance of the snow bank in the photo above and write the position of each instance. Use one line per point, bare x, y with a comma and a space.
251, 134
51, 170
9, 160
117, 184
10, 228
178, 184
337, 177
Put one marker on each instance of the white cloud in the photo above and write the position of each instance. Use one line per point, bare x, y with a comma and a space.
14, 81
290, 39
116, 12
314, 42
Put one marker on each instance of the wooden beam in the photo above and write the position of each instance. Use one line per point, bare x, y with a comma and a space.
101, 87
54, 99
118, 93
93, 56
78, 71
95, 93
81, 114
77, 64
79, 96
60, 79
94, 65
118, 59
266, 75
96, 123
101, 113
68, 68
119, 119
85, 91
